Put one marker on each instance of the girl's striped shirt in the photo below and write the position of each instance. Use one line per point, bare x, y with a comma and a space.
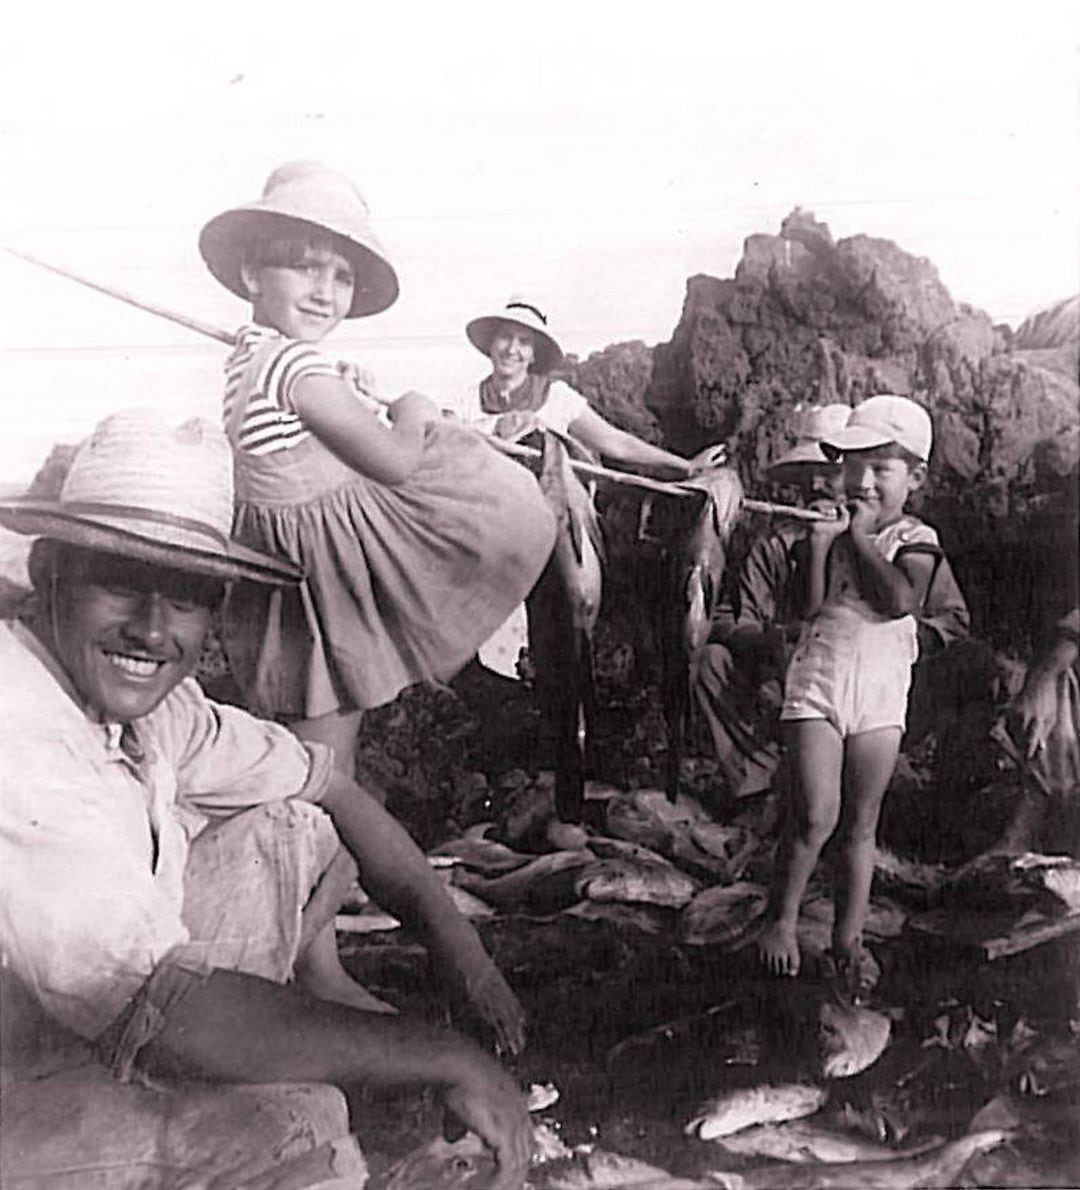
270, 422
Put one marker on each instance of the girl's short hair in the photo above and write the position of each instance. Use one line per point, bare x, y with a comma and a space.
287, 248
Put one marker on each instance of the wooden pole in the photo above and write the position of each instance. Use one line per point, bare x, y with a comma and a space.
589, 470
193, 324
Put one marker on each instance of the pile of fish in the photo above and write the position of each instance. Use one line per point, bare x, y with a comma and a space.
1046, 883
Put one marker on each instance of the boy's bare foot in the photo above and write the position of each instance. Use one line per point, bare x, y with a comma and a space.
778, 949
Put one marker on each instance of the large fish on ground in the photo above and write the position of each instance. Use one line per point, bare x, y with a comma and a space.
636, 881
697, 572
723, 915
742, 1107
803, 1142
563, 618
545, 885
466, 1164
682, 831
936, 1170
482, 854
849, 1038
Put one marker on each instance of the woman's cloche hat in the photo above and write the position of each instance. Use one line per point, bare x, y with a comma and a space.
812, 425
481, 332
304, 196
142, 489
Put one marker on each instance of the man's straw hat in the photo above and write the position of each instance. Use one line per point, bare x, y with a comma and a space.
811, 426
306, 197
548, 353
142, 489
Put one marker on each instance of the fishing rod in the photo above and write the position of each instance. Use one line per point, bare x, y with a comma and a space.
589, 470
193, 324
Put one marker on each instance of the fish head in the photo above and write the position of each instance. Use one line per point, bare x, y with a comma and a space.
849, 1039
464, 1164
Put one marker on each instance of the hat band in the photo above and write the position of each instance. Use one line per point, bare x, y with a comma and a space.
526, 306
121, 511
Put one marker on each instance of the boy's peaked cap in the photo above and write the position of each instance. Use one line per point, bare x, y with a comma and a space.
304, 197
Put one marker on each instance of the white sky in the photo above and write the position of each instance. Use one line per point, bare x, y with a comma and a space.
592, 155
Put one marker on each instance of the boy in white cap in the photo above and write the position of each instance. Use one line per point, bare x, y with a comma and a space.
845, 698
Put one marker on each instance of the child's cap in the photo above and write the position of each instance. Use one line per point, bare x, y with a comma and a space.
304, 197
882, 420
811, 426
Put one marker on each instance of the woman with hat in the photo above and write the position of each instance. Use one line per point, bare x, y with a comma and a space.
417, 538
520, 395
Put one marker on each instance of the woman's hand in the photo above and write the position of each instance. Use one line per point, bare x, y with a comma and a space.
708, 459
414, 407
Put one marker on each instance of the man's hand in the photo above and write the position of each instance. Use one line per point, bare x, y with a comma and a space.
709, 459
1034, 712
488, 1102
496, 1005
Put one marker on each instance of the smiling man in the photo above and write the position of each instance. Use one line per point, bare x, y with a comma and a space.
166, 863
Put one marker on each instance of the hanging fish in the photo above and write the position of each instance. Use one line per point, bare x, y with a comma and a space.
563, 614
697, 571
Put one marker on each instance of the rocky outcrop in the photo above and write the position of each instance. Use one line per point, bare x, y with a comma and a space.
806, 319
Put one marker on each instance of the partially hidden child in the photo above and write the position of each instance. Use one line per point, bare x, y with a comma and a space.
846, 688
417, 538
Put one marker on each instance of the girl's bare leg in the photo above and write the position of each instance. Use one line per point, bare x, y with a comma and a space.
817, 756
869, 760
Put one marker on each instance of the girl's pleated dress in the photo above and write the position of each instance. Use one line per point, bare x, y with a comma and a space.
403, 582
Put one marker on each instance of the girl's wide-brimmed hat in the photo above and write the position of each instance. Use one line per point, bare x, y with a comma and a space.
481, 332
812, 426
307, 197
157, 493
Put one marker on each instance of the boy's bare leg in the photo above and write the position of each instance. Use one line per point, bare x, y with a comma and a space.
239, 1028
817, 756
869, 760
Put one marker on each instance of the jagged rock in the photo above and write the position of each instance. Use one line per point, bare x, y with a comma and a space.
807, 320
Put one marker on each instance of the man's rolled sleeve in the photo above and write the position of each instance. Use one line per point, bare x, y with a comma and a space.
228, 761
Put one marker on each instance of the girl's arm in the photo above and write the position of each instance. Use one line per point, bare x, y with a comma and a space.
329, 409
893, 588
610, 442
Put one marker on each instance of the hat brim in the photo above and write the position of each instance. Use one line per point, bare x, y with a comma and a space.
481, 332
857, 438
224, 243
802, 454
233, 562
